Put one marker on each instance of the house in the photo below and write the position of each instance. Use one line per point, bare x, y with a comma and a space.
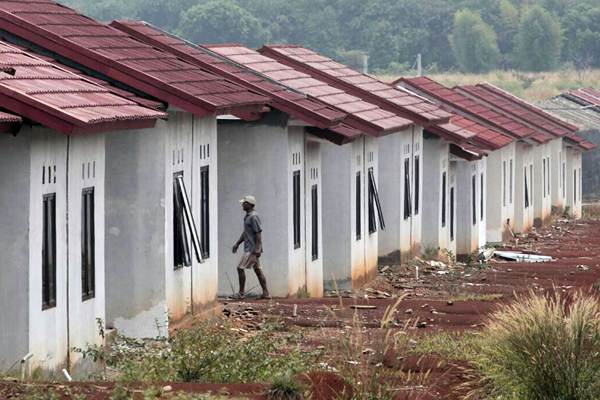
52, 264
581, 108
286, 181
162, 181
351, 203
548, 157
400, 155
489, 136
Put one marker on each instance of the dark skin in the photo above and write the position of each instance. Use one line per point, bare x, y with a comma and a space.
247, 207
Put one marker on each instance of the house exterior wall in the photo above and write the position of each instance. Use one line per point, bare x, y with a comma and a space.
251, 158
470, 218
500, 193
574, 182
48, 339
524, 168
435, 164
86, 170
135, 233
542, 181
401, 240
144, 290
452, 207
314, 265
557, 149
350, 257
15, 175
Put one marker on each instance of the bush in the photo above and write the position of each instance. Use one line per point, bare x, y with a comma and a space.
541, 348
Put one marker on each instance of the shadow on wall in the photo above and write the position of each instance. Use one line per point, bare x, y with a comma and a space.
590, 167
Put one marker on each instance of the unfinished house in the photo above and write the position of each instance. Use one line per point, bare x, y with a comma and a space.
352, 209
400, 155
161, 231
286, 180
52, 260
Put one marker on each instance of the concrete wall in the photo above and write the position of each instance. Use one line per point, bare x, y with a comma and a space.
452, 207
501, 194
435, 235
251, 159
15, 175
135, 231
314, 266
86, 170
48, 339
524, 166
542, 180
590, 162
558, 199
574, 181
338, 191
471, 235
371, 157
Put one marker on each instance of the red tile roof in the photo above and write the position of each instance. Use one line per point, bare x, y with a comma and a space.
289, 101
531, 107
362, 115
584, 96
581, 142
473, 109
9, 123
122, 58
54, 97
400, 102
516, 107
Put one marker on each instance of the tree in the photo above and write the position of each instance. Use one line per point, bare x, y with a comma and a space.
218, 21
582, 32
473, 42
538, 42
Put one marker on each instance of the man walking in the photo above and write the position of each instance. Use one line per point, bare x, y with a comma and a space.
252, 239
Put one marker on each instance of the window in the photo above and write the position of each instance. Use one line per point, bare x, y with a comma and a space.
49, 252
526, 190
407, 201
444, 199
358, 207
88, 246
374, 203
474, 199
481, 199
580, 185
530, 184
204, 213
575, 186
510, 186
451, 214
544, 176
564, 179
417, 184
183, 222
296, 210
315, 222
504, 183
549, 175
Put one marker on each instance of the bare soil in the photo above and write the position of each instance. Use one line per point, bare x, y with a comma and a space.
451, 298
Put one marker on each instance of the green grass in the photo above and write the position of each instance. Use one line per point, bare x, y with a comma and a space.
452, 346
476, 297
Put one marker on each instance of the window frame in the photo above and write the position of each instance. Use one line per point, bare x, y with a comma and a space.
49, 260
182, 214
474, 198
88, 245
444, 183
452, 216
296, 213
407, 187
358, 209
205, 212
314, 194
417, 183
481, 197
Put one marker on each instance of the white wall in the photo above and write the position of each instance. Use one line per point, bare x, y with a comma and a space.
471, 235
574, 181
559, 156
452, 207
500, 198
524, 165
543, 198
371, 159
47, 328
314, 266
86, 170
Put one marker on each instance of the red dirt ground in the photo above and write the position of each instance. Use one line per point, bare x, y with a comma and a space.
474, 293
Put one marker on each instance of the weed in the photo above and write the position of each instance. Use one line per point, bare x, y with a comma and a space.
285, 388
451, 346
596, 286
208, 353
303, 293
120, 392
542, 347
431, 253
476, 297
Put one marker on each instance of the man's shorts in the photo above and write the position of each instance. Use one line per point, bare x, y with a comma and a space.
249, 260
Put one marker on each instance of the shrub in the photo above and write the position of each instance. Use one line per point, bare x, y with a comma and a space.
542, 347
285, 388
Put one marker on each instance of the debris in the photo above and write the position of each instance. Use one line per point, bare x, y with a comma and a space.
582, 267
486, 254
450, 302
167, 388
522, 257
385, 268
295, 311
362, 307
422, 324
408, 311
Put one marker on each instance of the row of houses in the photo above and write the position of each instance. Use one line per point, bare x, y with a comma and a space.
126, 150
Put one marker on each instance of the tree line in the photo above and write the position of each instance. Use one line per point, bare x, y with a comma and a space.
466, 35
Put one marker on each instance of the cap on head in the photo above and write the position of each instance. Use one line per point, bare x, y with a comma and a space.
248, 199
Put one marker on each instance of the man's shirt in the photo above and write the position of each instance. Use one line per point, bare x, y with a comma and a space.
252, 226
